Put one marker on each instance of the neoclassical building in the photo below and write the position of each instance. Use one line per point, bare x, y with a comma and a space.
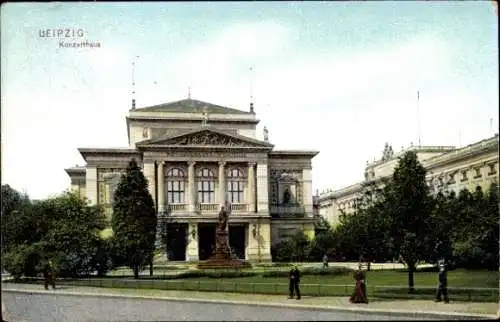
195, 155
448, 168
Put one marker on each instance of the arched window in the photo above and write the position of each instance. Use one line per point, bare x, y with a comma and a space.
235, 185
175, 186
206, 186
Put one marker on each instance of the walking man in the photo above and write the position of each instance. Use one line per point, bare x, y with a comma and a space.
294, 282
325, 261
443, 282
49, 273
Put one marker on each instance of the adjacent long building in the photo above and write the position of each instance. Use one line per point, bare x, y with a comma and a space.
448, 168
195, 155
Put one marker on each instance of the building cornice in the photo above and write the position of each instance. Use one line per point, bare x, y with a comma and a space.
294, 153
75, 171
195, 119
484, 146
198, 148
109, 152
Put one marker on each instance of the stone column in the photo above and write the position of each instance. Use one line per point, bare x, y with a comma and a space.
307, 197
251, 188
161, 186
191, 189
149, 173
192, 248
262, 189
222, 183
91, 184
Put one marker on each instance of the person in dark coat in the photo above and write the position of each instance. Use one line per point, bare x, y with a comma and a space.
49, 275
442, 288
294, 282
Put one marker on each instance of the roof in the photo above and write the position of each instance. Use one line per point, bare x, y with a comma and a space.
190, 106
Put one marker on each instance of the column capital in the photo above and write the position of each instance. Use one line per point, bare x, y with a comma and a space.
222, 163
252, 164
160, 162
191, 163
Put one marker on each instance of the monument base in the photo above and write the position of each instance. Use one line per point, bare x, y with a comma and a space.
222, 257
214, 263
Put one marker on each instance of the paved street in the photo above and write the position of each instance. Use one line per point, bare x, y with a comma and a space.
58, 307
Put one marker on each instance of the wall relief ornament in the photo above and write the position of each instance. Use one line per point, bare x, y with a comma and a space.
208, 138
277, 174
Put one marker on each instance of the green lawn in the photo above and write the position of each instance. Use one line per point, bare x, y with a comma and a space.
456, 278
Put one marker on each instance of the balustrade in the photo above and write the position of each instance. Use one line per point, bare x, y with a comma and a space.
211, 207
287, 209
176, 207
239, 207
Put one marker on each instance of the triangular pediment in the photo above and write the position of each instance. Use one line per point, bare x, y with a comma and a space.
206, 137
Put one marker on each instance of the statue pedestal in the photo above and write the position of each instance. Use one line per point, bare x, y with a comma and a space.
222, 258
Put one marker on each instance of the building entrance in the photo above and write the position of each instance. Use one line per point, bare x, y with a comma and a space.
176, 242
237, 240
206, 240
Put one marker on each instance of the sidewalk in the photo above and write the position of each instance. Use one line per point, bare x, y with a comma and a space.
482, 310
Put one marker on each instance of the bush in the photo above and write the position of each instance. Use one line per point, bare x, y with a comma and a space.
274, 265
23, 260
334, 271
214, 274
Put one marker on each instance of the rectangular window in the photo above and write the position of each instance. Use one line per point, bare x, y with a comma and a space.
175, 192
206, 191
235, 191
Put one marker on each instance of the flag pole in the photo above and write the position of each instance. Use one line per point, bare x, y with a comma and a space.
418, 116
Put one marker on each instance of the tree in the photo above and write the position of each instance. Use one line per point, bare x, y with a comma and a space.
16, 215
63, 229
134, 220
408, 204
367, 230
475, 233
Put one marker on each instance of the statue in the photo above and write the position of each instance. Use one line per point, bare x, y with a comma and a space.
205, 116
266, 134
223, 217
286, 197
387, 153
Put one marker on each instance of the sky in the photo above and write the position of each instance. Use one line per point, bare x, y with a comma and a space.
340, 78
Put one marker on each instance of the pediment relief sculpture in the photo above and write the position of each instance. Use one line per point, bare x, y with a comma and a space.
208, 138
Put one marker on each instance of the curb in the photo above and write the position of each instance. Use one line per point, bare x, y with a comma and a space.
359, 310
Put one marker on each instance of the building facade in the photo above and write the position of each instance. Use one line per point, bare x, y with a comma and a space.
195, 156
448, 168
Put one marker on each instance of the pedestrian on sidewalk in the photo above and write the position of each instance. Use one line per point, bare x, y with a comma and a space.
49, 275
294, 282
442, 288
325, 261
359, 294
